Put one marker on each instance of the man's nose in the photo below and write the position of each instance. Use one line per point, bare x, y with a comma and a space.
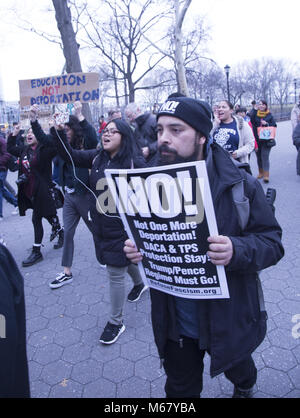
165, 137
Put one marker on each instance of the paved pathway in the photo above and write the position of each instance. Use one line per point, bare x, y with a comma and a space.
64, 325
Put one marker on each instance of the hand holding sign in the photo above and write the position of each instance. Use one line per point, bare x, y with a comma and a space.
131, 252
169, 217
16, 130
58, 122
33, 113
78, 110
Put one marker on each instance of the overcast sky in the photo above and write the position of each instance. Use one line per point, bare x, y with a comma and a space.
240, 30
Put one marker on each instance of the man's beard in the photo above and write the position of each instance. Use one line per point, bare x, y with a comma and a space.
173, 157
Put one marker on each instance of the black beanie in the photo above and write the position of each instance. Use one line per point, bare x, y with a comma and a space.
195, 113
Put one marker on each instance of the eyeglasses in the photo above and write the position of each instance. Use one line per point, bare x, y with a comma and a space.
110, 132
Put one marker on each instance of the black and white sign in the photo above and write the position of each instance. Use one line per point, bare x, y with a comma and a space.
168, 212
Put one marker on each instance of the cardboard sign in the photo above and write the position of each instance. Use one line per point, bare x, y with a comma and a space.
168, 213
61, 89
45, 114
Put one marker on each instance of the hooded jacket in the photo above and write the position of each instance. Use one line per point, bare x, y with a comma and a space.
236, 326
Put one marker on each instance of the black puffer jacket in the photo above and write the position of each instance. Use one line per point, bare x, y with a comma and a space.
236, 325
145, 132
108, 231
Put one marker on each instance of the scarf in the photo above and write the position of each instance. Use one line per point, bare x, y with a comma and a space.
262, 114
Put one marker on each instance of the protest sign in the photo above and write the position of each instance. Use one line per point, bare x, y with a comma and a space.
61, 89
45, 114
168, 213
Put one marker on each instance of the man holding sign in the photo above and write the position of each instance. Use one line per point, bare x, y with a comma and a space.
229, 329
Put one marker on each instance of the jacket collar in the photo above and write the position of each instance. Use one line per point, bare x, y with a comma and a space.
222, 170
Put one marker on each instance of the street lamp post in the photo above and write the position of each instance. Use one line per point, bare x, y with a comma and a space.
295, 85
227, 69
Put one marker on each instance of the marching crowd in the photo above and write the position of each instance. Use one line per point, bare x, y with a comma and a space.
73, 155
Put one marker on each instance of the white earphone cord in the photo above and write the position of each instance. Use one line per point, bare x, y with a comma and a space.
74, 172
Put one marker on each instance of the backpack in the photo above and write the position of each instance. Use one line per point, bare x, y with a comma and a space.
242, 205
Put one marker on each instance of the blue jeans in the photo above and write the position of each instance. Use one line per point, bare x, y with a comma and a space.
4, 193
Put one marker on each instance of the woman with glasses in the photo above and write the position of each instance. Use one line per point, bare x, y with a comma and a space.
107, 228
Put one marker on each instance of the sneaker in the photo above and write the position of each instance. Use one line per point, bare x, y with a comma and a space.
16, 211
136, 292
1, 218
242, 393
61, 280
111, 333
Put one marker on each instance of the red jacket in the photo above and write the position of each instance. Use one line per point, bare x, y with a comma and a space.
102, 126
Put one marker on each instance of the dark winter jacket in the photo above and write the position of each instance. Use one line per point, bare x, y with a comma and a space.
237, 325
65, 170
4, 155
14, 380
66, 173
145, 132
108, 231
256, 123
41, 201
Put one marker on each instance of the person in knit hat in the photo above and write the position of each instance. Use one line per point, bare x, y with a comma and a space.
229, 330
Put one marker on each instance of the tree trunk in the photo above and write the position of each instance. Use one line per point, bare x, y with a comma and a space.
131, 89
116, 85
180, 70
70, 45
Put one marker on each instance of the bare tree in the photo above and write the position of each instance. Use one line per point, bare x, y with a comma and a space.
167, 81
283, 80
205, 79
120, 39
